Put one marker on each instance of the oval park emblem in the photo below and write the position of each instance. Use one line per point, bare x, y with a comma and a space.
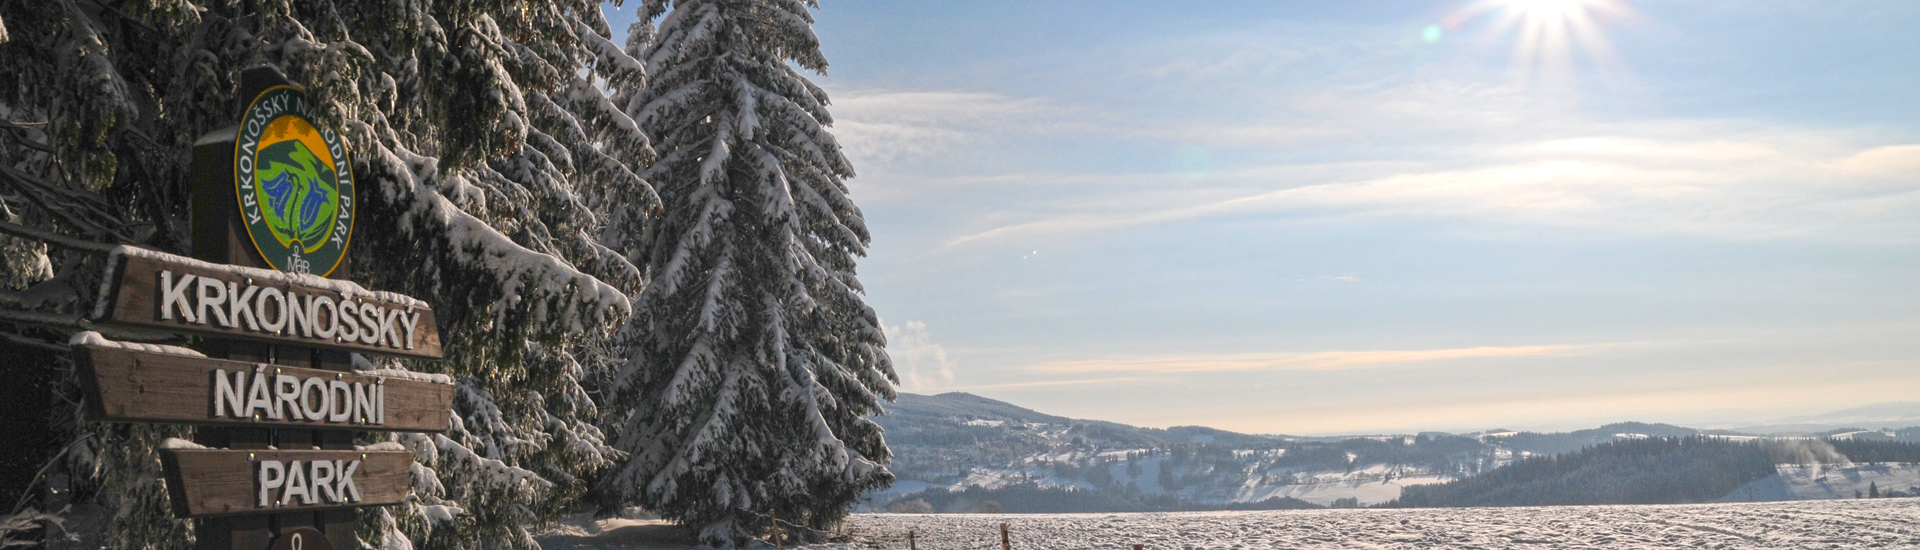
294, 182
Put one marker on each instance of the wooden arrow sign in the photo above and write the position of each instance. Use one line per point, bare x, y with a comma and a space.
127, 385
210, 482
174, 293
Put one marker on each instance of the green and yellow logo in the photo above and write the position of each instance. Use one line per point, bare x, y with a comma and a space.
294, 182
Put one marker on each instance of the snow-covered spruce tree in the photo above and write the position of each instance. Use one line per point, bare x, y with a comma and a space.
755, 364
487, 149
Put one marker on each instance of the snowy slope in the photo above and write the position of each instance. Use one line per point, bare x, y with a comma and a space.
581, 532
1813, 482
1371, 485
1836, 524
1828, 524
956, 441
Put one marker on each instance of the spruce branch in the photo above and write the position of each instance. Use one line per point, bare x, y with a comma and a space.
52, 238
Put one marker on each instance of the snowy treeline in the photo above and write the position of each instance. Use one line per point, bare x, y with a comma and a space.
1653, 470
508, 179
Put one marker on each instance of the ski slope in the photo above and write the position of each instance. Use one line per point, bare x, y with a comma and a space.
1818, 481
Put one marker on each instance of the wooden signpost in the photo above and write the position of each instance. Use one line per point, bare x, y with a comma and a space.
178, 294
236, 482
270, 379
138, 386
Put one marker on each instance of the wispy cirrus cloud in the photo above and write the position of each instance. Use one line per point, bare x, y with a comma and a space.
1485, 155
1635, 184
1050, 384
1690, 400
881, 126
1235, 63
1316, 361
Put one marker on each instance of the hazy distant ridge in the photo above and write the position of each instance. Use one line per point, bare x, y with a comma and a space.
973, 452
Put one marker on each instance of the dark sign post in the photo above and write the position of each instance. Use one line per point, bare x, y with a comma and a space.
274, 464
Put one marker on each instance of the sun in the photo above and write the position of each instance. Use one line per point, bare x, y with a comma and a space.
1548, 10
1547, 34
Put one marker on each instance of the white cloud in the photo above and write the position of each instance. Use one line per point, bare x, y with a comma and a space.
922, 364
877, 127
1486, 157
1634, 183
1548, 409
1899, 161
1234, 64
1318, 361
1051, 384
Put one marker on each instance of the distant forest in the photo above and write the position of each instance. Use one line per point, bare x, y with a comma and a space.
1657, 470
1875, 451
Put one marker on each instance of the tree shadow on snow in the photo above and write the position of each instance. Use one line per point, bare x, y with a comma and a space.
636, 534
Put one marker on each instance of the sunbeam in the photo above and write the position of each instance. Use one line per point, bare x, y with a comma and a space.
1547, 34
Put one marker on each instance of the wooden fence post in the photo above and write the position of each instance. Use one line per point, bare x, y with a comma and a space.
773, 519
910, 545
1004, 545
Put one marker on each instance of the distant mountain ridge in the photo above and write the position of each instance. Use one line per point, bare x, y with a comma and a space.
953, 442
1877, 416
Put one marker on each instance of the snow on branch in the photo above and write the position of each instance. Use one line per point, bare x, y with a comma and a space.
491, 471
563, 298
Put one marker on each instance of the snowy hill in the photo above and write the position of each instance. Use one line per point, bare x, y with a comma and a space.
957, 441
1003, 456
1818, 482
963, 405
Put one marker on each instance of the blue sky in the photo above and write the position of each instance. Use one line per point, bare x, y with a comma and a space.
1320, 217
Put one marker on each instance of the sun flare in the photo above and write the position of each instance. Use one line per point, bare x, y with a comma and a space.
1547, 34
1548, 10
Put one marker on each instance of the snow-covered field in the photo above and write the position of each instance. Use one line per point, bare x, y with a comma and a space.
1883, 523
1369, 485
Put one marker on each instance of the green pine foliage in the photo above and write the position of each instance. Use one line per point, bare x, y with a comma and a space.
1863, 450
494, 166
1656, 470
755, 363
